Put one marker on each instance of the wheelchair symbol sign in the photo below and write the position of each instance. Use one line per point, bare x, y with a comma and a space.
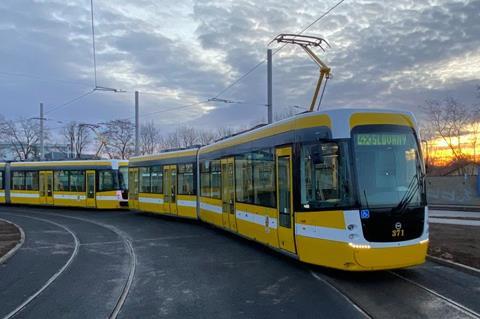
364, 214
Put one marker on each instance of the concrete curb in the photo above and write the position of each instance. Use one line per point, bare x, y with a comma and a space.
12, 251
452, 264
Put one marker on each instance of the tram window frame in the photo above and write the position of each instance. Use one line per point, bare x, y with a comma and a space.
247, 177
205, 180
210, 177
156, 188
347, 195
102, 186
57, 179
144, 175
16, 175
31, 180
216, 179
186, 187
76, 181
264, 194
244, 187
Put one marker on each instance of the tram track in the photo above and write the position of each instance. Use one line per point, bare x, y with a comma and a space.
57, 274
351, 292
345, 296
449, 301
129, 248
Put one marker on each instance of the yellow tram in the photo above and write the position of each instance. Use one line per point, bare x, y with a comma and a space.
96, 184
164, 183
339, 188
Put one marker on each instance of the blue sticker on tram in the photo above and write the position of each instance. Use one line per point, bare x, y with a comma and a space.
364, 214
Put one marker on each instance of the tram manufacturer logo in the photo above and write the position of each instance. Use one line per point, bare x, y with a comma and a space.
398, 225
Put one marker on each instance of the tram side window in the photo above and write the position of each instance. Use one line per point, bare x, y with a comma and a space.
107, 180
216, 179
77, 181
31, 181
324, 175
244, 178
18, 181
264, 178
157, 179
210, 179
1, 180
205, 185
145, 182
61, 181
185, 175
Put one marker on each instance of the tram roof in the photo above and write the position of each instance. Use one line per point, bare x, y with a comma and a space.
79, 163
165, 155
339, 121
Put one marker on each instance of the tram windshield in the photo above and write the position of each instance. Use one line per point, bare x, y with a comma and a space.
388, 166
325, 175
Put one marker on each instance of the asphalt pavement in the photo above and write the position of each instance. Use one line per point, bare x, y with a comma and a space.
131, 265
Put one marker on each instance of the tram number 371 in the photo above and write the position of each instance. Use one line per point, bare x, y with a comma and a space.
398, 231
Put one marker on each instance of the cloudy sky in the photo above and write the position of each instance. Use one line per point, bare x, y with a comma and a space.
389, 54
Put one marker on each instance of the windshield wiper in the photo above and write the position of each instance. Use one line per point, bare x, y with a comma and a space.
366, 200
409, 195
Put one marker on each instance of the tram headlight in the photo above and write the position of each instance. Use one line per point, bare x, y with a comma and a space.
356, 246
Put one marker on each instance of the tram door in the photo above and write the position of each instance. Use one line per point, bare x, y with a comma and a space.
90, 189
286, 237
133, 188
170, 188
46, 187
228, 194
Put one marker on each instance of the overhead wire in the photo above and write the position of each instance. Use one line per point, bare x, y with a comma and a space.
238, 80
256, 66
64, 104
242, 77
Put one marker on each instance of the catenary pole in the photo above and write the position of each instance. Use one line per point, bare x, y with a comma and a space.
137, 126
42, 146
269, 86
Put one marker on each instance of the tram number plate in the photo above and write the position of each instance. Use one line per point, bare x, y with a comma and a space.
398, 232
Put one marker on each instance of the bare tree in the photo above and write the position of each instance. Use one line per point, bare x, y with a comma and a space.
149, 139
474, 131
205, 137
117, 138
23, 137
78, 137
187, 136
449, 120
224, 131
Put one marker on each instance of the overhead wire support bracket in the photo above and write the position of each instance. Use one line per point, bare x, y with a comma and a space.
305, 42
